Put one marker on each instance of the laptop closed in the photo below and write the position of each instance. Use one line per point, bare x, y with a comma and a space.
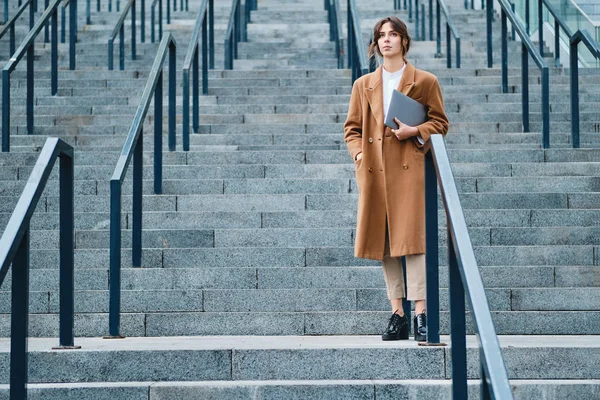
407, 110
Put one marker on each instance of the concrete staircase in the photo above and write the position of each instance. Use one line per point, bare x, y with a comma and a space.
249, 287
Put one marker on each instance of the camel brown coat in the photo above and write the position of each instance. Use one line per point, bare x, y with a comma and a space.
390, 176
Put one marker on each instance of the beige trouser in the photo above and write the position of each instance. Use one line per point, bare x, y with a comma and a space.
394, 278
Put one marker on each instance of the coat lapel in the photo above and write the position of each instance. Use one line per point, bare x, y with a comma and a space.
374, 95
407, 82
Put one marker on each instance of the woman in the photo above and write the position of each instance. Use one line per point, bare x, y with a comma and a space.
390, 172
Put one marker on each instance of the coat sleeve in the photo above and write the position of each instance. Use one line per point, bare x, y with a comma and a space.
437, 120
354, 123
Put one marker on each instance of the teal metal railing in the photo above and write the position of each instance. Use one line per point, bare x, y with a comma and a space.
464, 281
133, 148
192, 59
14, 252
357, 56
594, 48
27, 49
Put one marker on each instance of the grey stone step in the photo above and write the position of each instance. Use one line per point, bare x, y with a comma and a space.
204, 277
299, 323
363, 389
281, 358
238, 298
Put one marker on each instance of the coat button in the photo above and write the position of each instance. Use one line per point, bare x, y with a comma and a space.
405, 166
370, 140
370, 169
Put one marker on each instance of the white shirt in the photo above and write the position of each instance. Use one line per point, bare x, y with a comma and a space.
390, 82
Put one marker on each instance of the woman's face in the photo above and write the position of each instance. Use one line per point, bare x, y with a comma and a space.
389, 41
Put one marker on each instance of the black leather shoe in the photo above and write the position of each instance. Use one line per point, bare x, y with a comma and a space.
420, 327
397, 328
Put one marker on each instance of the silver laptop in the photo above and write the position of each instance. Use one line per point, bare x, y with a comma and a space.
407, 110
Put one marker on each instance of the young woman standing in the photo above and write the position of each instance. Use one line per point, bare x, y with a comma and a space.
390, 172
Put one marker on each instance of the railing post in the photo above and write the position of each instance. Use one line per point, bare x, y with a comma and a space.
448, 46
410, 10
490, 16
172, 96
527, 16
30, 92
541, 28
504, 52
350, 38
431, 250
110, 54
138, 183
54, 53
417, 31
160, 19
169, 11
195, 90
19, 320
186, 108
158, 130
5, 111
115, 260
512, 26
525, 86
546, 107
152, 22
12, 40
133, 30
439, 29
6, 11
88, 12
204, 67
457, 52
72, 33
431, 20
63, 31
98, 6
32, 11
67, 244
457, 324
46, 25
423, 35
556, 43
574, 72
211, 32
122, 47
143, 22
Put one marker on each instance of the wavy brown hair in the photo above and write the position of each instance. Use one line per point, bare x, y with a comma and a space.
399, 27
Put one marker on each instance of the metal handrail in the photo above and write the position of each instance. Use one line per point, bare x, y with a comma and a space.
14, 250
450, 30
584, 37
558, 24
464, 278
527, 49
335, 29
133, 147
191, 62
10, 24
63, 19
120, 30
236, 31
27, 46
153, 20
357, 57
419, 20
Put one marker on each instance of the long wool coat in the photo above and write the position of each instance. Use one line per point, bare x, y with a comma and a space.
390, 176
